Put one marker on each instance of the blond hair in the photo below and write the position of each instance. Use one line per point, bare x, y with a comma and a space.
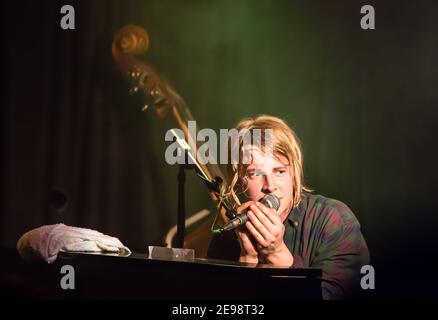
285, 145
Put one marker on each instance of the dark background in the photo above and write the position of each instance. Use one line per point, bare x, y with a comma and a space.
364, 104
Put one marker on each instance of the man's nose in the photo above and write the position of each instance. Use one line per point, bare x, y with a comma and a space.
268, 184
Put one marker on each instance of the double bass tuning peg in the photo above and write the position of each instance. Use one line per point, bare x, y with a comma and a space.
133, 90
134, 74
138, 78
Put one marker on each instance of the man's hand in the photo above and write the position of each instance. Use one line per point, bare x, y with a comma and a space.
248, 247
267, 229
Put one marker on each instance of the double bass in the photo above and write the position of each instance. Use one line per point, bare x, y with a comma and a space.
131, 41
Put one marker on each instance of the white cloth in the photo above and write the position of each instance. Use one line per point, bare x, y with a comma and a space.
46, 241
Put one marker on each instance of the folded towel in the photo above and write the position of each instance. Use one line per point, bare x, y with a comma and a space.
45, 242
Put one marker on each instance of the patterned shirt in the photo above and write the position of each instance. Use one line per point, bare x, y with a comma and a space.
320, 233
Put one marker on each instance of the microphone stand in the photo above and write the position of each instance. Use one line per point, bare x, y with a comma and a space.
214, 185
181, 213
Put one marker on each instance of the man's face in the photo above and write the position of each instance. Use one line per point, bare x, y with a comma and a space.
266, 174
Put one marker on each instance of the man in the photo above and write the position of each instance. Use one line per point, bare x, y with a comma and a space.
307, 230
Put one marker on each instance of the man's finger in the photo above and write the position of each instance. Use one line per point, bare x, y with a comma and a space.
256, 234
242, 207
270, 213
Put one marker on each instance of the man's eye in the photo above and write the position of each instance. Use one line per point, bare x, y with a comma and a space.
254, 174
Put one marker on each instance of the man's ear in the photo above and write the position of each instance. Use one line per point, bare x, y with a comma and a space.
241, 188
243, 185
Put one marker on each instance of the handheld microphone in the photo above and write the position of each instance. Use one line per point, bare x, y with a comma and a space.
270, 200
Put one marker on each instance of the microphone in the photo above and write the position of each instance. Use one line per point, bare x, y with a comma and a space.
270, 200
